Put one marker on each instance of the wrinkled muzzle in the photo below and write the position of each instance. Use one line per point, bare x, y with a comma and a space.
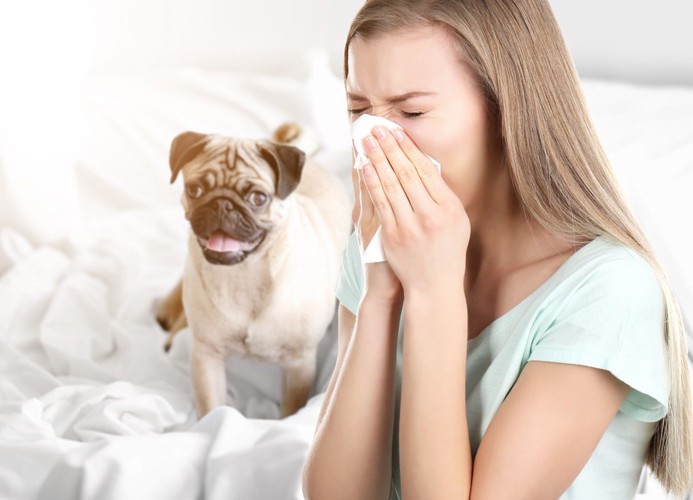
227, 232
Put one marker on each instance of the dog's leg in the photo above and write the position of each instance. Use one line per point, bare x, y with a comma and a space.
180, 323
171, 314
208, 372
298, 380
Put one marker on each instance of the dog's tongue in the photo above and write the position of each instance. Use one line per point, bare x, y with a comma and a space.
221, 242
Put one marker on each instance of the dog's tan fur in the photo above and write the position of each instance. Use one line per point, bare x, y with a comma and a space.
276, 304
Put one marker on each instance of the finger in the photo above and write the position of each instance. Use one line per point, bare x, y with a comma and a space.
389, 183
380, 201
404, 169
427, 170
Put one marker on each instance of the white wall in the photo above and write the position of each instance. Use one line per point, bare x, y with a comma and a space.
638, 40
642, 41
259, 35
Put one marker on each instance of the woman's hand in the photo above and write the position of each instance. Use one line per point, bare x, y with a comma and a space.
425, 226
380, 282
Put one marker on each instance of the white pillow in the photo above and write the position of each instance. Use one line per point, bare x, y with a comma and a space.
133, 117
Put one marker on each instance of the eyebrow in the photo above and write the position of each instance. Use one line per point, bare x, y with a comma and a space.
393, 99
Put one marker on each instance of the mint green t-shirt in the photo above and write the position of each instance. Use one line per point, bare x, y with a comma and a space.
603, 308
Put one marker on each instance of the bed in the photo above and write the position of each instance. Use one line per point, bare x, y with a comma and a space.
91, 407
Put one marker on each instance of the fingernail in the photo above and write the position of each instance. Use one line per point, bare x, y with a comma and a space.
379, 132
369, 142
399, 135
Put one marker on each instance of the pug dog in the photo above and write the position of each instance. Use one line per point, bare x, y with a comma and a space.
267, 231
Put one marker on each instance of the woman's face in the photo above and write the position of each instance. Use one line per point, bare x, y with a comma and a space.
447, 120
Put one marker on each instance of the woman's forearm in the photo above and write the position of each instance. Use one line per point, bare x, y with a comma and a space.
351, 456
435, 457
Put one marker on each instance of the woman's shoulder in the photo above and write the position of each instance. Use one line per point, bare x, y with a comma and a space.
603, 282
608, 312
606, 286
607, 260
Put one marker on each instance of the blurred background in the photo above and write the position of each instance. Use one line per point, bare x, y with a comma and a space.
633, 40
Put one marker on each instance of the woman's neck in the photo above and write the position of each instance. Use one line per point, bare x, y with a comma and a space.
503, 237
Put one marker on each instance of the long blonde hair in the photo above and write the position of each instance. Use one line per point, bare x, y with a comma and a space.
559, 170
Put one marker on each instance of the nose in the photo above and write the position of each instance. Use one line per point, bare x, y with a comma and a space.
224, 206
388, 115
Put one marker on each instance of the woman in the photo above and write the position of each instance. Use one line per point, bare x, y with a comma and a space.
541, 352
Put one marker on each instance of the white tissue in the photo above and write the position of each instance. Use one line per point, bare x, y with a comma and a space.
360, 129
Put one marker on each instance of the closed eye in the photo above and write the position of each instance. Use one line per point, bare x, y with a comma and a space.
404, 113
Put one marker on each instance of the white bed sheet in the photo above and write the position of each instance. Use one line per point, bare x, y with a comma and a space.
90, 405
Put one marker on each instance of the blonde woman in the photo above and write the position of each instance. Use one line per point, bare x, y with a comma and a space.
521, 341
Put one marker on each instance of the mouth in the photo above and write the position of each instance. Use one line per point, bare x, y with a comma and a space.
221, 248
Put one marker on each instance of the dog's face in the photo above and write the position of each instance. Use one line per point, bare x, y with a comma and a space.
233, 190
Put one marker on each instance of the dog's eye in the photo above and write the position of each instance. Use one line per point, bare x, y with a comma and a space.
257, 198
194, 190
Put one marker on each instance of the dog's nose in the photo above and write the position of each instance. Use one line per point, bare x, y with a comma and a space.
224, 206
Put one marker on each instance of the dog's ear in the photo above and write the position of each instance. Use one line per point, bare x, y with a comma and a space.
287, 163
184, 148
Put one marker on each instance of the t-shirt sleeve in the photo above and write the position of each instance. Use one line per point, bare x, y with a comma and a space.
614, 320
350, 282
